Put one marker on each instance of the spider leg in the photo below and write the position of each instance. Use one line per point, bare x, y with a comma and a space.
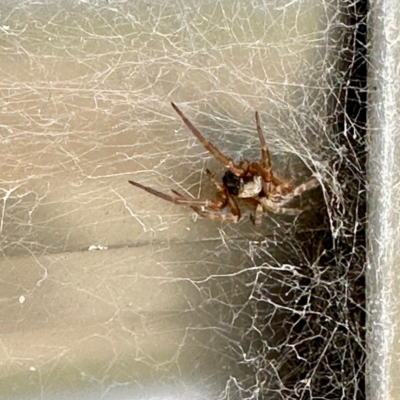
196, 209
180, 199
277, 208
219, 187
230, 200
213, 215
264, 168
257, 218
225, 161
265, 158
299, 190
233, 216
256, 169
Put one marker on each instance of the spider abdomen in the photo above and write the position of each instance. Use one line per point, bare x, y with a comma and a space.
236, 186
251, 189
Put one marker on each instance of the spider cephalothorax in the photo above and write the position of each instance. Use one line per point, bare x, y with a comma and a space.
254, 182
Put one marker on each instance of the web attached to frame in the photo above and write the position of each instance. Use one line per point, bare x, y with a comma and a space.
112, 291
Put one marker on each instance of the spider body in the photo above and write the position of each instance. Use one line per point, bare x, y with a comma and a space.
237, 186
234, 184
251, 189
253, 182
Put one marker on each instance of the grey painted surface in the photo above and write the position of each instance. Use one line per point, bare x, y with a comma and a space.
383, 280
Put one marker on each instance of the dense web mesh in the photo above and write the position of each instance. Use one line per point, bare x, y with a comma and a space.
171, 305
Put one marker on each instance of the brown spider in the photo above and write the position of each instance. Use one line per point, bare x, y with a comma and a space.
253, 182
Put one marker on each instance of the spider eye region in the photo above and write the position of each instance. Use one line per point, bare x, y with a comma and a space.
233, 183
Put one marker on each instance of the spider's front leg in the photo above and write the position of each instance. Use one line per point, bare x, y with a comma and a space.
215, 215
222, 158
228, 200
264, 168
198, 205
265, 158
217, 205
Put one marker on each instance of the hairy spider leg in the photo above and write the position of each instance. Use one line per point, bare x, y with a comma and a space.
196, 209
277, 208
299, 190
228, 200
213, 215
265, 158
180, 200
225, 161
268, 175
256, 219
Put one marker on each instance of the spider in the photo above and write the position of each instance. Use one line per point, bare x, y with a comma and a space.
253, 182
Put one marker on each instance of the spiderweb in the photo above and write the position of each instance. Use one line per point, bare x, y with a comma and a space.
109, 292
